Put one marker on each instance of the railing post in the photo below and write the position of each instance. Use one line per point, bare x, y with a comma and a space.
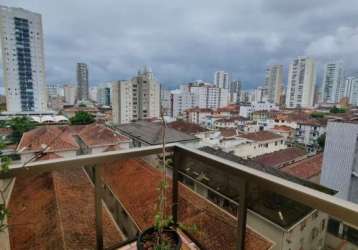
98, 206
241, 216
177, 159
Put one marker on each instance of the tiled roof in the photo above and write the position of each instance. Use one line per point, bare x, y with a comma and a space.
282, 128
48, 156
57, 138
5, 131
200, 110
100, 135
135, 183
56, 211
151, 133
228, 132
278, 158
306, 168
186, 127
233, 119
314, 122
261, 136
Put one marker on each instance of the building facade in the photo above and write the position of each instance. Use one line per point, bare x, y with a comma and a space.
235, 91
222, 79
70, 93
333, 83
136, 99
301, 83
104, 95
274, 83
351, 90
23, 60
82, 81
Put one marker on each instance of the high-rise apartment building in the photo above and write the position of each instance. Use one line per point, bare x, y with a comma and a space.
235, 89
23, 60
104, 95
351, 90
274, 83
222, 79
301, 83
333, 83
70, 93
82, 81
136, 99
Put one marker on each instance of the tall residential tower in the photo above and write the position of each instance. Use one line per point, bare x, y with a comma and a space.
23, 60
333, 83
222, 79
301, 83
82, 81
136, 99
274, 83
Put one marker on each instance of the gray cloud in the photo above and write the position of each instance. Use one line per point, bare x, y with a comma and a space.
188, 40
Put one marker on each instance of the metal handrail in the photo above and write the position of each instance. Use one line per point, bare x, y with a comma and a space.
333, 206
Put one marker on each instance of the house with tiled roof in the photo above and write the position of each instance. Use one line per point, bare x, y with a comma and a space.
47, 139
308, 169
215, 227
96, 138
259, 143
281, 158
197, 115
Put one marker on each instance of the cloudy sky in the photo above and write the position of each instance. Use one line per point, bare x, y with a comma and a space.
189, 40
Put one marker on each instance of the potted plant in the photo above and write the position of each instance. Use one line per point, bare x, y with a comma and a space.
161, 236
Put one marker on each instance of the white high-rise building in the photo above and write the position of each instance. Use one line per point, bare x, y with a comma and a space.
70, 93
136, 99
222, 79
23, 60
182, 100
301, 83
104, 95
274, 83
351, 90
235, 89
333, 83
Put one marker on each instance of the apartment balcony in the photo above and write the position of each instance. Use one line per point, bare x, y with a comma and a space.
103, 201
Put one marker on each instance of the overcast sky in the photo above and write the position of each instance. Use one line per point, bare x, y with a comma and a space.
188, 40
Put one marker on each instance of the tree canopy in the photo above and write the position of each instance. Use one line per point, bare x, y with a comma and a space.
82, 117
19, 126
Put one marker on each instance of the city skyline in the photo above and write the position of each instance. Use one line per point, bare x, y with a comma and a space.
245, 51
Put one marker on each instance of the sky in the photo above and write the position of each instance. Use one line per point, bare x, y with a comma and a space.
184, 41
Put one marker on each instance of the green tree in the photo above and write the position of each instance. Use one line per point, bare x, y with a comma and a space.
336, 110
317, 115
19, 126
321, 140
82, 117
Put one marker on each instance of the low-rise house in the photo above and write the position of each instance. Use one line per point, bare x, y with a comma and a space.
287, 132
281, 158
144, 133
47, 139
309, 131
259, 143
231, 122
197, 115
308, 169
97, 138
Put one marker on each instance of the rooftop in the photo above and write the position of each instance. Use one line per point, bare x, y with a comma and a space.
62, 216
100, 135
306, 168
186, 127
216, 228
278, 158
54, 137
261, 136
150, 133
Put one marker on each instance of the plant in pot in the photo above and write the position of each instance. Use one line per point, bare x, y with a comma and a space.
161, 236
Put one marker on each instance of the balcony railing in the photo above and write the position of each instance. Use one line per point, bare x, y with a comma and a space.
226, 174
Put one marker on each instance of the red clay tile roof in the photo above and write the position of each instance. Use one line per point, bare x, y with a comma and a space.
58, 138
135, 183
314, 122
56, 211
100, 135
278, 158
186, 127
48, 156
200, 110
282, 128
261, 136
233, 119
228, 132
306, 168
